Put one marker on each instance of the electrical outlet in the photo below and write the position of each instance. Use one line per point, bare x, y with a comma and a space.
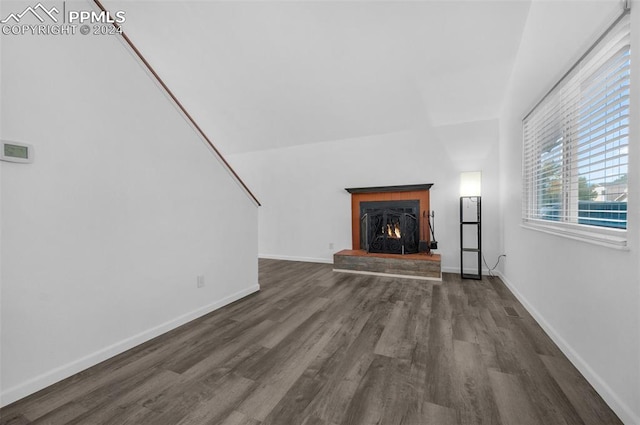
200, 281
331, 245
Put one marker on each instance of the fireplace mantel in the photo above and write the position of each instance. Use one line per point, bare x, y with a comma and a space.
386, 189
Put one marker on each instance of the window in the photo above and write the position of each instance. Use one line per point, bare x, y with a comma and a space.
575, 159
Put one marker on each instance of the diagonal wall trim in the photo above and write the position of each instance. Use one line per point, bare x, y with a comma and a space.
180, 106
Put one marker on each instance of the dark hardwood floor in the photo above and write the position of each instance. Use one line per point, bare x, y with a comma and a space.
316, 347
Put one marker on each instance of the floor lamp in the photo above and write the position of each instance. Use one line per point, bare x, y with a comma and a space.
471, 225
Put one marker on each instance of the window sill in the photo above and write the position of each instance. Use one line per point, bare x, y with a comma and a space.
610, 238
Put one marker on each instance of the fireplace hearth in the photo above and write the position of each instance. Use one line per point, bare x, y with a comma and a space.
390, 227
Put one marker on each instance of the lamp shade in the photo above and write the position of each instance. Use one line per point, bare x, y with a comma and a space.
471, 183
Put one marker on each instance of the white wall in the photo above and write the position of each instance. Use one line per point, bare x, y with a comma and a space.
587, 297
305, 207
104, 234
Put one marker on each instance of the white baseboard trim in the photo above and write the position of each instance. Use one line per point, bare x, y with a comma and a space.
292, 258
623, 410
51, 377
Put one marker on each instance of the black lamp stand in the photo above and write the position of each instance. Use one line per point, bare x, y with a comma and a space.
471, 223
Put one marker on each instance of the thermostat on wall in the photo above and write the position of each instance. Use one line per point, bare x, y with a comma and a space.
16, 152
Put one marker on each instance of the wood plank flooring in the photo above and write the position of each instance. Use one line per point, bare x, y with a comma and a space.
315, 347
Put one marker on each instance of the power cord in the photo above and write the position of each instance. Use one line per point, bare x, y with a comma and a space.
490, 269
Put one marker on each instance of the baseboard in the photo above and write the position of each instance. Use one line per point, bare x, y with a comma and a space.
292, 258
48, 378
624, 412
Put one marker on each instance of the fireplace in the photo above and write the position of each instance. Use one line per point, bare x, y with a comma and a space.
386, 222
390, 227
390, 219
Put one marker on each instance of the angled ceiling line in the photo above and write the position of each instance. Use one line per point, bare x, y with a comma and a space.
181, 107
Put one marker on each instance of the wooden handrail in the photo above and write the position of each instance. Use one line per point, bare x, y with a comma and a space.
178, 104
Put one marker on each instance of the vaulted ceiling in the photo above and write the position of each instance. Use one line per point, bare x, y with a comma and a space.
261, 75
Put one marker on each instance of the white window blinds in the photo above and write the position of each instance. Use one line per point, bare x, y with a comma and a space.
575, 159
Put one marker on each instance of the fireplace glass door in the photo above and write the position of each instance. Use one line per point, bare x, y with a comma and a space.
390, 226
